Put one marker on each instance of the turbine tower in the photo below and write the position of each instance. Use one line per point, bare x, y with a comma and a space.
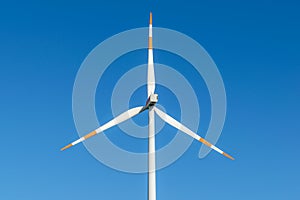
152, 110
152, 99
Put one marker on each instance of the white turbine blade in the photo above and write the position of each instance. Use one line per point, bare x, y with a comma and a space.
119, 119
151, 76
186, 130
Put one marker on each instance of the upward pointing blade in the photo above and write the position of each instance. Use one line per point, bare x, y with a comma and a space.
119, 119
186, 130
151, 76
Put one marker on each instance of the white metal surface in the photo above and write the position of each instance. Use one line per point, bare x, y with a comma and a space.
151, 76
170, 120
78, 141
151, 157
121, 118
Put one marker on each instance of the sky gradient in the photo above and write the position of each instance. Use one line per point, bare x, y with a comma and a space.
255, 46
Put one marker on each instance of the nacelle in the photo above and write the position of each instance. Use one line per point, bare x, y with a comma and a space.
152, 100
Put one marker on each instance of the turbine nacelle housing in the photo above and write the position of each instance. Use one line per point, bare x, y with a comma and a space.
151, 101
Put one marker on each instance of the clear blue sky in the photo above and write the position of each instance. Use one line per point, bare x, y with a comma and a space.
256, 47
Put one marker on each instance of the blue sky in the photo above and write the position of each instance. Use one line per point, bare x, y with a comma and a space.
255, 45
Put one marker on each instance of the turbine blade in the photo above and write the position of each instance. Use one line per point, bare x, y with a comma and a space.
119, 119
151, 76
186, 130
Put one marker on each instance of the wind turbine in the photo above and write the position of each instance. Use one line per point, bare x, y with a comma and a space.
150, 106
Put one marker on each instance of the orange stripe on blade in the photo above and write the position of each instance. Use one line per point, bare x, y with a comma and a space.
205, 142
228, 156
150, 22
66, 147
150, 43
91, 134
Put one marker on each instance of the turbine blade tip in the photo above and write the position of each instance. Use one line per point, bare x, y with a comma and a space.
66, 147
228, 156
150, 22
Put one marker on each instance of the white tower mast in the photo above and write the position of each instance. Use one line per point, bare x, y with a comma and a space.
151, 125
